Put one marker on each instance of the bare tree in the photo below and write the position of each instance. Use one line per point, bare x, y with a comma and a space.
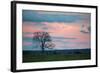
43, 39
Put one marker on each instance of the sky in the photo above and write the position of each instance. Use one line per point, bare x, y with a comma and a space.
68, 30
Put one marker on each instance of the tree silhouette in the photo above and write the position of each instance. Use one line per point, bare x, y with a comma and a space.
44, 40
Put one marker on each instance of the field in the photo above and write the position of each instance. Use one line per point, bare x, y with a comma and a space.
38, 56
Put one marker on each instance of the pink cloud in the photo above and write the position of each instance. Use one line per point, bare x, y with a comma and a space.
28, 35
30, 28
63, 29
56, 29
27, 43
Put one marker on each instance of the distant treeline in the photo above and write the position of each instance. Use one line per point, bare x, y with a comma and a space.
68, 51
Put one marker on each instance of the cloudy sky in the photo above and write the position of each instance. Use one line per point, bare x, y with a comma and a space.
68, 30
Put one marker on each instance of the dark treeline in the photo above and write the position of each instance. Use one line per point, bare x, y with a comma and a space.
71, 51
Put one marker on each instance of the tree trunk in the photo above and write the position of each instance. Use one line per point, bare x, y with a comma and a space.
42, 48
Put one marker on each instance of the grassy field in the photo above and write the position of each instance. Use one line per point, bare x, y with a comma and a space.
54, 57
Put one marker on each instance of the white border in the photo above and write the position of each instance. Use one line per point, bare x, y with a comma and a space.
37, 65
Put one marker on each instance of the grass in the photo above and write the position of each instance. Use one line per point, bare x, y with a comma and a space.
54, 57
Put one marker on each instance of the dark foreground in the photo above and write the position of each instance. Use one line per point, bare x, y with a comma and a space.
58, 55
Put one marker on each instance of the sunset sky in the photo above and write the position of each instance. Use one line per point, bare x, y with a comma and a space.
68, 30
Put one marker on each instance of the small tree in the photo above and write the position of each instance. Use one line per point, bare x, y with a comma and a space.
43, 39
